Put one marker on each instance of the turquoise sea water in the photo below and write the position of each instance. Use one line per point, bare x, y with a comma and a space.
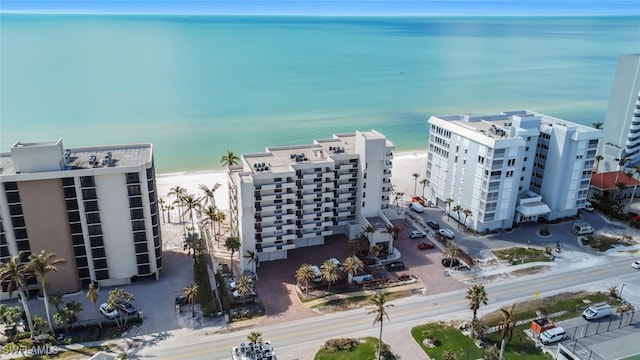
195, 86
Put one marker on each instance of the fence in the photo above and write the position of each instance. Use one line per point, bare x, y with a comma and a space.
582, 336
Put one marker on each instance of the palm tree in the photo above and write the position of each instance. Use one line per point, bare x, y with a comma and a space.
621, 161
424, 182
304, 274
625, 309
178, 191
41, 265
448, 202
252, 255
352, 266
330, 272
15, 273
368, 230
380, 303
116, 297
415, 183
191, 294
92, 295
254, 336
229, 159
466, 213
598, 159
232, 244
476, 296
221, 217
190, 203
162, 204
210, 217
243, 285
453, 251
635, 184
506, 327
208, 193
597, 125
457, 210
620, 187
169, 208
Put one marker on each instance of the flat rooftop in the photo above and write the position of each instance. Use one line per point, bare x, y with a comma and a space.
282, 158
91, 157
498, 126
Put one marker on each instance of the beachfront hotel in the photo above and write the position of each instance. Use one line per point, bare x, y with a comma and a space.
511, 167
94, 207
294, 196
621, 127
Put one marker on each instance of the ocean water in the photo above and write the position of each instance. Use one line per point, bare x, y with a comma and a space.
195, 86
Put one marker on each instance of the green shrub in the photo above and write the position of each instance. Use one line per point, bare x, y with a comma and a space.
205, 294
341, 344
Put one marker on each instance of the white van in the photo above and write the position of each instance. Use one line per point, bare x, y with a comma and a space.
416, 207
597, 311
581, 228
552, 335
317, 275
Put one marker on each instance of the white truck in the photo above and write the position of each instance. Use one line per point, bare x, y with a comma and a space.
582, 228
597, 311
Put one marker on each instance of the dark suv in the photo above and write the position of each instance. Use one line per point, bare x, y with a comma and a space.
396, 265
434, 225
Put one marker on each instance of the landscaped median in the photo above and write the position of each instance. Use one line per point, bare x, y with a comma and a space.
453, 339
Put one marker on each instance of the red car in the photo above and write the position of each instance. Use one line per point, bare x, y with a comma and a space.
425, 245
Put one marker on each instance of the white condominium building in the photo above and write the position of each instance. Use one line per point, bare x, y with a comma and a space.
94, 207
621, 127
511, 167
294, 196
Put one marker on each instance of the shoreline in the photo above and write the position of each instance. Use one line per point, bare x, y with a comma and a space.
405, 164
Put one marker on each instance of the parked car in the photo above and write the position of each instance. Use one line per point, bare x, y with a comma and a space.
108, 312
425, 245
416, 234
588, 207
597, 311
181, 300
636, 264
447, 233
126, 308
416, 207
450, 262
434, 225
317, 275
394, 266
552, 335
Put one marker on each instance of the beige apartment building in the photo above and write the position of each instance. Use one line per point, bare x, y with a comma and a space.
294, 196
94, 207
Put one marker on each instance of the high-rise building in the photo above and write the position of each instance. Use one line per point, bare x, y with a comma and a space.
294, 196
94, 207
510, 167
621, 127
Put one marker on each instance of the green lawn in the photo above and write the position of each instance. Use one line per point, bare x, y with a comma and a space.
366, 350
445, 338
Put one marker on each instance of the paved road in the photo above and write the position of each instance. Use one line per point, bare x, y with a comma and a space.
300, 339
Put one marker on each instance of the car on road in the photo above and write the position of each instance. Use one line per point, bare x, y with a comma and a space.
447, 233
108, 312
426, 245
636, 264
126, 308
394, 266
416, 234
434, 225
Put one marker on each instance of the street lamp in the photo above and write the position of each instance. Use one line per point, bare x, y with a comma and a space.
621, 288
